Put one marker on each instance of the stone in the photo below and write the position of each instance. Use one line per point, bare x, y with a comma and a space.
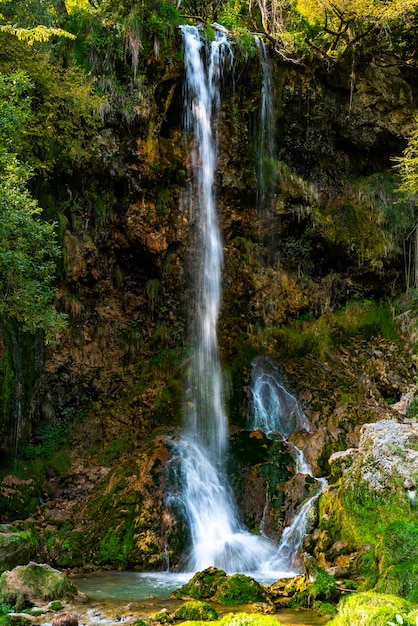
15, 547
386, 451
27, 585
22, 619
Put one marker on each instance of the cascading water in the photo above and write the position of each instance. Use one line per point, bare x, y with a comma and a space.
202, 491
206, 418
266, 148
276, 411
208, 504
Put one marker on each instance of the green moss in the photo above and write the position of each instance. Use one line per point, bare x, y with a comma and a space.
249, 619
359, 319
240, 589
240, 619
323, 588
372, 609
43, 583
396, 555
65, 547
164, 617
202, 585
196, 610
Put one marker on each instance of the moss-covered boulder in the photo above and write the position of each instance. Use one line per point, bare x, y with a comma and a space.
368, 520
240, 589
17, 546
196, 610
373, 609
215, 584
316, 586
202, 585
29, 584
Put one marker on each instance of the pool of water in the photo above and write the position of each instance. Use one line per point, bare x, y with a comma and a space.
133, 586
129, 586
136, 595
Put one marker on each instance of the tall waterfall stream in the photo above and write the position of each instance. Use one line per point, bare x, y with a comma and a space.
217, 535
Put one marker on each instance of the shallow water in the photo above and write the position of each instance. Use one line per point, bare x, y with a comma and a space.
123, 597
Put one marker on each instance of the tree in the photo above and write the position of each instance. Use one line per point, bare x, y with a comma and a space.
407, 166
30, 21
340, 24
28, 248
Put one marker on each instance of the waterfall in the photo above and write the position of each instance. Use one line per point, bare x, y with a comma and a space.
217, 536
266, 149
199, 486
206, 418
276, 411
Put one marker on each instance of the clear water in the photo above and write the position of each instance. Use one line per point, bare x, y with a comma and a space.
129, 586
110, 593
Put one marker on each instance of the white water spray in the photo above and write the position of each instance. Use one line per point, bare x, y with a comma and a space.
217, 536
276, 411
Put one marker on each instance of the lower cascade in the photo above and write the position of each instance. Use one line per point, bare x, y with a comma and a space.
276, 412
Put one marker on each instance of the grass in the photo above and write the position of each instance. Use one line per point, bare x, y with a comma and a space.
359, 319
372, 609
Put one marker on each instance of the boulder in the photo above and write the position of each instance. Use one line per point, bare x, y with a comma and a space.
16, 546
387, 451
27, 585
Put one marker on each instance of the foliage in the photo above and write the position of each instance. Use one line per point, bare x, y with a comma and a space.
196, 610
368, 218
31, 21
5, 609
342, 24
407, 165
27, 244
372, 609
363, 319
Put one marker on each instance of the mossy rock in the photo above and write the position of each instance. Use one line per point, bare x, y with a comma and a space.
164, 617
196, 610
27, 585
240, 589
16, 546
373, 609
249, 619
240, 619
202, 585
323, 588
